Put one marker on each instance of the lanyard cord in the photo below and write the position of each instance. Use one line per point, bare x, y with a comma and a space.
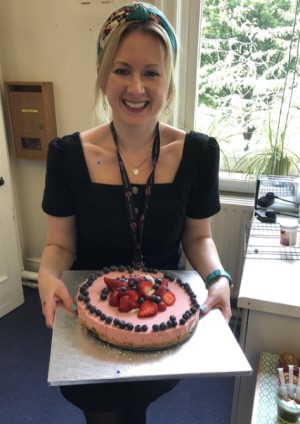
137, 225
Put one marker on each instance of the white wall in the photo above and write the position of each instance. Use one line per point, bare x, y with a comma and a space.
49, 40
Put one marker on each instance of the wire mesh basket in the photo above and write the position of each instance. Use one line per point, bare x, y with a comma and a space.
262, 241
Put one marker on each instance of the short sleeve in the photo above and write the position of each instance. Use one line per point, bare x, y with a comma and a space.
57, 199
204, 156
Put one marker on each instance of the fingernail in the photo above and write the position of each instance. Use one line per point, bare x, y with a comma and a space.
203, 308
74, 307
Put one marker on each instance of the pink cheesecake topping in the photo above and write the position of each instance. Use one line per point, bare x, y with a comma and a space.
138, 309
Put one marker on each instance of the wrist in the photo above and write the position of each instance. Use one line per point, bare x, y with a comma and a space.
214, 276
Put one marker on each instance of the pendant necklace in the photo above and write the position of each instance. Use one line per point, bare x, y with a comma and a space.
136, 225
136, 169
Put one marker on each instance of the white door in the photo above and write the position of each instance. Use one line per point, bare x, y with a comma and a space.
11, 292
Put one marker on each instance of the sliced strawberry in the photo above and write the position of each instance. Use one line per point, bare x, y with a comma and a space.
169, 298
162, 288
145, 289
114, 299
162, 306
125, 305
113, 284
148, 309
133, 298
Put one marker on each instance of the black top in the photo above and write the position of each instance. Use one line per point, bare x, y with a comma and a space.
103, 235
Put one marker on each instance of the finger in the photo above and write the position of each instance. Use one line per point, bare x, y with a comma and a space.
226, 312
49, 311
65, 297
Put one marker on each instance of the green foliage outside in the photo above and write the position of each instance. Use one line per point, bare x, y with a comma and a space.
249, 76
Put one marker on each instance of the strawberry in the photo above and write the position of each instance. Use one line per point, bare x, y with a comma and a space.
162, 288
148, 309
113, 284
133, 298
145, 288
169, 298
162, 306
114, 299
125, 305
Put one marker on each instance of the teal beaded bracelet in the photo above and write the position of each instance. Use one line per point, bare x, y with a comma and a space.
214, 275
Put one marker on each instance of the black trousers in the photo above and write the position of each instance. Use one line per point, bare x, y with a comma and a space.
115, 396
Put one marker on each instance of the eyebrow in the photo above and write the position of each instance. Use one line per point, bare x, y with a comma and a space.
129, 66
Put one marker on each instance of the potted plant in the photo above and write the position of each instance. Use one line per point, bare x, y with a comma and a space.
274, 159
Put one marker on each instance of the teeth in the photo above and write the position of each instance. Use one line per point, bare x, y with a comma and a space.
139, 105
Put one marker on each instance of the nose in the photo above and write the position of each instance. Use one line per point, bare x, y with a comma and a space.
136, 85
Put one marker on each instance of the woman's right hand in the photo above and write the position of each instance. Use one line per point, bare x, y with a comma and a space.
57, 257
52, 291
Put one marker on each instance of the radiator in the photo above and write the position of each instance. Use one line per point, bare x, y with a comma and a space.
228, 231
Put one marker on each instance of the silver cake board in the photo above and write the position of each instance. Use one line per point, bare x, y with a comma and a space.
77, 357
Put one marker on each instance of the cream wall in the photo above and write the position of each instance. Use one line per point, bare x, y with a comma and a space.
49, 40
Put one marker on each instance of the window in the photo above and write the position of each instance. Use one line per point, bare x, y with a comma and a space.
239, 79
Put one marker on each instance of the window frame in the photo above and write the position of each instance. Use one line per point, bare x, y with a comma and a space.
186, 17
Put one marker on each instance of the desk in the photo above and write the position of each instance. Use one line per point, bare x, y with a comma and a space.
270, 300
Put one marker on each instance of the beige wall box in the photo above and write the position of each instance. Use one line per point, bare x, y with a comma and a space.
32, 118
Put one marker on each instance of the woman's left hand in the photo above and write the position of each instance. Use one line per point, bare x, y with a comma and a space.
218, 297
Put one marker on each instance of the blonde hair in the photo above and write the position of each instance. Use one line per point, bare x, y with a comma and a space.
106, 57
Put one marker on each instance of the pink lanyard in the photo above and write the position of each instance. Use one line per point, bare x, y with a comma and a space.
137, 225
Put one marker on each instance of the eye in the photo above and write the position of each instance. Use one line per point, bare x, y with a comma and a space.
121, 71
151, 74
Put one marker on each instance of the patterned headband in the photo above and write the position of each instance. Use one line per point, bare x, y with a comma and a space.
135, 12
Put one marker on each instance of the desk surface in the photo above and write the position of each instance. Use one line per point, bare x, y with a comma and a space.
271, 284
77, 357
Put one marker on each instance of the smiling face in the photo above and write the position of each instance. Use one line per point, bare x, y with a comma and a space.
136, 88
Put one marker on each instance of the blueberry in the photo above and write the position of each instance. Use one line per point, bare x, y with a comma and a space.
109, 320
121, 268
92, 309
144, 327
84, 289
172, 318
122, 324
163, 326
182, 321
116, 321
129, 326
155, 327
138, 328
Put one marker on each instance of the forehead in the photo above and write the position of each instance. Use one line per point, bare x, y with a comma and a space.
140, 46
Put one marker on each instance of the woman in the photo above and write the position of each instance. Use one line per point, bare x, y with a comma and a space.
132, 190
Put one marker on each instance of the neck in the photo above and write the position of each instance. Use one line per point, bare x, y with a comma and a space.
137, 139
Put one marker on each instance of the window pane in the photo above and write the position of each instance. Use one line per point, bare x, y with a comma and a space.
249, 91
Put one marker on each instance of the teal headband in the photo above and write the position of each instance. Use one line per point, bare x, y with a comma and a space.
136, 12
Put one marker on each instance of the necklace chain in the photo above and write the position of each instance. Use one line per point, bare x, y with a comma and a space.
135, 169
